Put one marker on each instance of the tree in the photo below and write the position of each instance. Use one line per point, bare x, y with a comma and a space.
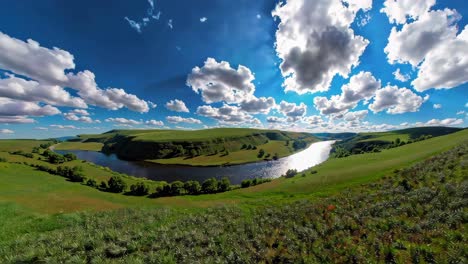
177, 188
291, 173
193, 153
69, 156
139, 188
246, 183
91, 183
244, 146
261, 152
397, 141
192, 187
224, 185
299, 144
276, 156
103, 185
210, 186
76, 174
116, 184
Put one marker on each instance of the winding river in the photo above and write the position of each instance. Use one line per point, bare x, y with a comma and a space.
313, 155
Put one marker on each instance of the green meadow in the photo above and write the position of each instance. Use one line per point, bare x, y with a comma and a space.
37, 210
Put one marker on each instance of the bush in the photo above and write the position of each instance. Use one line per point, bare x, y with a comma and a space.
276, 156
91, 183
177, 188
246, 183
139, 188
3, 160
261, 152
291, 173
224, 184
69, 156
103, 185
210, 186
74, 174
192, 187
116, 184
299, 144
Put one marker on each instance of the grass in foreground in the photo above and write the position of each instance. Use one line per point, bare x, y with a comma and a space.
413, 215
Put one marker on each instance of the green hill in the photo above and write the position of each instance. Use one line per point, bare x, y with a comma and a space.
403, 205
376, 141
199, 147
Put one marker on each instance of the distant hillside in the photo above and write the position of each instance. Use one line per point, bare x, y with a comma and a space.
334, 136
376, 141
165, 144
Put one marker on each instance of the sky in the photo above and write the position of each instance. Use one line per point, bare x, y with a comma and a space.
79, 67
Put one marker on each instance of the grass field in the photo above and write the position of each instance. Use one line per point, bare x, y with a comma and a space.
94, 146
235, 157
20, 144
390, 136
37, 212
332, 176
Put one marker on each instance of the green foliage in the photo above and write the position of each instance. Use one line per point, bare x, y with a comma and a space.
210, 186
290, 173
177, 188
276, 156
69, 157
91, 183
139, 188
22, 153
224, 185
261, 152
192, 187
299, 144
116, 184
253, 182
74, 174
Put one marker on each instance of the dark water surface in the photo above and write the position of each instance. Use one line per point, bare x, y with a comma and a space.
313, 155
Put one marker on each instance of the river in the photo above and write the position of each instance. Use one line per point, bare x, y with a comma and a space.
315, 154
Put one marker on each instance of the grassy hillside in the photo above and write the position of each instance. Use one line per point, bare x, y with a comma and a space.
201, 147
376, 141
401, 214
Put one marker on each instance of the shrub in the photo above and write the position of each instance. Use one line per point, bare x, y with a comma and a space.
91, 183
210, 186
246, 183
299, 144
224, 184
69, 156
3, 160
139, 188
116, 184
261, 152
103, 185
177, 188
276, 156
290, 173
192, 187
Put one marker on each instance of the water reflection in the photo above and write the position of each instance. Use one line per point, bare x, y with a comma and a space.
313, 155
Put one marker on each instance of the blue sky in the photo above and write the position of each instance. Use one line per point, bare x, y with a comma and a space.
331, 70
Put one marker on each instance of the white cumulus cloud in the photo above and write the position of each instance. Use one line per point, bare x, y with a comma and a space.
396, 100
217, 81
315, 42
179, 119
177, 106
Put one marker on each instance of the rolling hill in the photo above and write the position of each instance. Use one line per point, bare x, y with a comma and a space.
200, 147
